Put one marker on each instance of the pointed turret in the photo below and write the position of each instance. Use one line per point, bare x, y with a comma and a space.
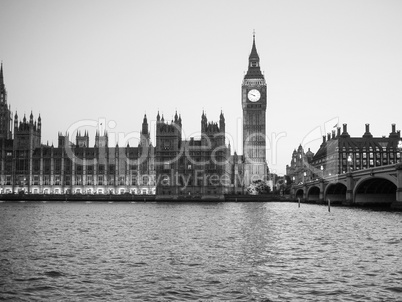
158, 117
203, 121
144, 130
221, 117
39, 123
222, 122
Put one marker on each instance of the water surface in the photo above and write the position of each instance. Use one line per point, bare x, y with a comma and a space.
198, 251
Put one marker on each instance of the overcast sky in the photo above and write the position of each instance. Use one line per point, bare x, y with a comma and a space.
325, 62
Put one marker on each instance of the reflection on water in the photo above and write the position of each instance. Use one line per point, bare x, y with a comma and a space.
198, 251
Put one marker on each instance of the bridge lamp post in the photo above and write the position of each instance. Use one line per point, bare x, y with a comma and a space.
400, 149
350, 161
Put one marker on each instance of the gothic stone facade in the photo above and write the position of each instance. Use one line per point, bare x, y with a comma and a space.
174, 167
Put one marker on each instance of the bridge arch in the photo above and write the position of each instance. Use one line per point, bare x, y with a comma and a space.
336, 192
313, 194
375, 190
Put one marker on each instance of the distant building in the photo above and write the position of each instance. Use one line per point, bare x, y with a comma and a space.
299, 169
340, 153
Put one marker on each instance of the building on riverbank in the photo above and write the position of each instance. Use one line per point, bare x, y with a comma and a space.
175, 166
340, 153
74, 168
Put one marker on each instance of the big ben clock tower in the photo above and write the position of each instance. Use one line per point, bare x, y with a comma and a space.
254, 104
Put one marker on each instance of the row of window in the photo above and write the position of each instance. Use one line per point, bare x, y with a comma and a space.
80, 180
378, 155
356, 156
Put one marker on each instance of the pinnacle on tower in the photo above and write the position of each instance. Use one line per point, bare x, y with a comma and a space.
145, 125
254, 54
1, 75
254, 71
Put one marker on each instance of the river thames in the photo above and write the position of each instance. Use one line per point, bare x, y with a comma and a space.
252, 251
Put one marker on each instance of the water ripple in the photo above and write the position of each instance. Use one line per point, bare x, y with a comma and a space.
198, 252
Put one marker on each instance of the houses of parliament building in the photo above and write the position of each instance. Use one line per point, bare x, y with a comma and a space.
173, 167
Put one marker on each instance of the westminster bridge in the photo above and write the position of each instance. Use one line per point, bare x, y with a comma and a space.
377, 185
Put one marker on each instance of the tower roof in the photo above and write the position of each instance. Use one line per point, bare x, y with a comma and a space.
2, 86
254, 71
254, 54
1, 76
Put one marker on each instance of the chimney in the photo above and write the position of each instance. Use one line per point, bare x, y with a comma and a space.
333, 133
345, 131
367, 134
394, 134
328, 136
339, 131
323, 139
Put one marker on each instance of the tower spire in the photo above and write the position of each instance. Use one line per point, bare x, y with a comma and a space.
254, 71
1, 75
3, 93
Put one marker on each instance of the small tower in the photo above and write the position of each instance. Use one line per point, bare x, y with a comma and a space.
203, 122
101, 140
39, 124
15, 121
63, 140
222, 122
82, 140
145, 137
27, 135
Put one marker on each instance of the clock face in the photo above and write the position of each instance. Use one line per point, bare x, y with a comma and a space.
253, 95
